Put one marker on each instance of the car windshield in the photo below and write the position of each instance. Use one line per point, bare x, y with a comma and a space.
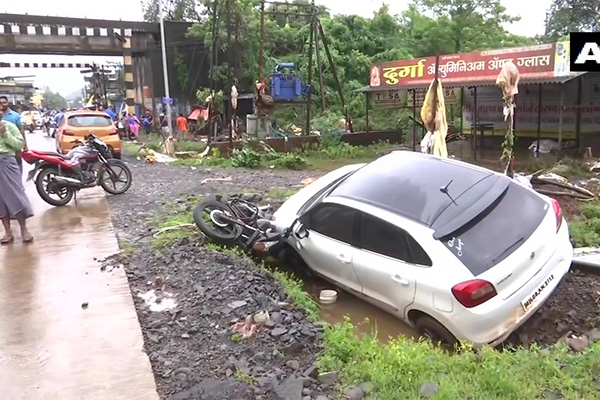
410, 184
89, 121
497, 232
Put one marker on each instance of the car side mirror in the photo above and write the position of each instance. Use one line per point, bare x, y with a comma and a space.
301, 231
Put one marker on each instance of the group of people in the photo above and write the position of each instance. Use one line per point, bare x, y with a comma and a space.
130, 122
14, 203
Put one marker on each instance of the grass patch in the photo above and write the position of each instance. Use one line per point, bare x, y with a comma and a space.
131, 149
127, 248
281, 193
244, 377
236, 337
293, 288
170, 236
327, 156
399, 368
585, 230
189, 145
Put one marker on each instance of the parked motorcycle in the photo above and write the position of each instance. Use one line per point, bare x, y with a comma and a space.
59, 177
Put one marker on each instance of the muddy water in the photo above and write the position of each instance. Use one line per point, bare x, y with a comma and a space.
365, 317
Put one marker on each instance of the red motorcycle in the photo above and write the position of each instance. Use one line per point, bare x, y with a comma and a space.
59, 177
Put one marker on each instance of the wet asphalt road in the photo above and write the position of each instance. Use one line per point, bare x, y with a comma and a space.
67, 329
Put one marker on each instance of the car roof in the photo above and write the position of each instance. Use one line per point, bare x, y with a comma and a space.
411, 184
87, 112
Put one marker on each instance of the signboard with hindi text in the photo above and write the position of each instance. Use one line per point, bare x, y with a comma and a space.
480, 66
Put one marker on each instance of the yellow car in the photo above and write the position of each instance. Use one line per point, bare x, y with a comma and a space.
78, 124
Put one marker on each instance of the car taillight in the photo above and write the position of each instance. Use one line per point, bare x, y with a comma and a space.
558, 213
113, 131
67, 132
473, 293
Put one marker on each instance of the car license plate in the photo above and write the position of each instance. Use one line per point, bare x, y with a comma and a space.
534, 298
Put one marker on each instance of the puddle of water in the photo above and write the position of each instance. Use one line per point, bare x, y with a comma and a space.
385, 324
166, 302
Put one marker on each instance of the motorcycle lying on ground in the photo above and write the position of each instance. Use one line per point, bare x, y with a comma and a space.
59, 177
237, 222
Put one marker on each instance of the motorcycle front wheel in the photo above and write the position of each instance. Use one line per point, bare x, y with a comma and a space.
46, 189
118, 174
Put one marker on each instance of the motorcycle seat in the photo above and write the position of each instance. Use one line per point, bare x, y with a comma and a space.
54, 153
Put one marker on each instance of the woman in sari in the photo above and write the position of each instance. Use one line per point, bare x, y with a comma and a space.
14, 203
134, 125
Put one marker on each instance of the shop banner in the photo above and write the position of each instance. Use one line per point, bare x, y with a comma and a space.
481, 66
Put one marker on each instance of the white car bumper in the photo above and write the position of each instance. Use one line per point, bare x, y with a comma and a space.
492, 326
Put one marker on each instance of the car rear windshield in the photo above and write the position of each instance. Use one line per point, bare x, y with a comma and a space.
408, 184
89, 121
497, 232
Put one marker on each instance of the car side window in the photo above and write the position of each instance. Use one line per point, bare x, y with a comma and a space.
334, 221
386, 239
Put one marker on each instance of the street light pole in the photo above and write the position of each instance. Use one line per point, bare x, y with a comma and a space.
165, 72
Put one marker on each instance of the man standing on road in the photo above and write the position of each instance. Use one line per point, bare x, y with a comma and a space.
14, 117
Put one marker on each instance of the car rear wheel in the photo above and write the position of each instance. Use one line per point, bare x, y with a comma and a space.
429, 328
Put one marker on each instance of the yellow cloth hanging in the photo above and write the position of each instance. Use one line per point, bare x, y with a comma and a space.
438, 124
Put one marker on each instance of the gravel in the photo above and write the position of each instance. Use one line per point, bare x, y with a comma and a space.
202, 295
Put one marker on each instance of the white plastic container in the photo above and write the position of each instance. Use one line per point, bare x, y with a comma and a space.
327, 296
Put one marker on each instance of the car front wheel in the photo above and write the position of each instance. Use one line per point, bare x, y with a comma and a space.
431, 329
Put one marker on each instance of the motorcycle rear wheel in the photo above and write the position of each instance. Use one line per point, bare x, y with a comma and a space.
220, 232
44, 177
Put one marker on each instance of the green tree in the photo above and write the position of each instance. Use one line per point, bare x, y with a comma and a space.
54, 100
566, 16
468, 25
427, 27
175, 10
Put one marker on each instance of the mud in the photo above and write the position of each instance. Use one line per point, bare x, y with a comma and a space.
573, 309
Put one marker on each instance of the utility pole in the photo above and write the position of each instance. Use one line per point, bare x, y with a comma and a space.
165, 71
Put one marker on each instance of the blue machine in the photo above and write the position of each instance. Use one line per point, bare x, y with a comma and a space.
285, 85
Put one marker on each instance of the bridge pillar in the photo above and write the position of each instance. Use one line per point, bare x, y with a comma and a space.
128, 78
143, 81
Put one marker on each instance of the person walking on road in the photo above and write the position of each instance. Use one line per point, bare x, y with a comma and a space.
14, 203
7, 114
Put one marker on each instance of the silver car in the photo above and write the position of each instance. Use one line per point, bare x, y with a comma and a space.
457, 251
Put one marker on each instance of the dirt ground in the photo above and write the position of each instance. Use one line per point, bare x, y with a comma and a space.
191, 348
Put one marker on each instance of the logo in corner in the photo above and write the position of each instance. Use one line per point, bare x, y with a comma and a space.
585, 51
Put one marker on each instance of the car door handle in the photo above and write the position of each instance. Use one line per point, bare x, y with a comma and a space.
343, 259
400, 280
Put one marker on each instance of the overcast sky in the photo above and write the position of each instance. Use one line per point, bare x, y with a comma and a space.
532, 14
